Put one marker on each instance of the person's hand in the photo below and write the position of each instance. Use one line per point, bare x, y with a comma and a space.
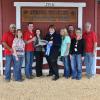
61, 58
17, 59
70, 57
94, 53
51, 42
11, 50
34, 38
82, 58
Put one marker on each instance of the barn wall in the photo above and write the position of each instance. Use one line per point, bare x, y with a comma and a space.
9, 11
8, 14
98, 23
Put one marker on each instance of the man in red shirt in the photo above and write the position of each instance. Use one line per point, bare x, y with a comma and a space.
29, 48
7, 41
90, 50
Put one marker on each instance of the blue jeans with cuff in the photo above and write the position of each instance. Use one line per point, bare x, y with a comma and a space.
76, 64
90, 64
28, 63
17, 68
65, 60
9, 60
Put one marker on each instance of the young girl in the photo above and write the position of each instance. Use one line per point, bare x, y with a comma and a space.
18, 54
38, 53
65, 51
76, 55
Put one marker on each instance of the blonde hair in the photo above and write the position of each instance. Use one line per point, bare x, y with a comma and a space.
65, 31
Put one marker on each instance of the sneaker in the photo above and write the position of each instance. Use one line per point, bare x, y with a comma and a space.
92, 77
7, 80
49, 75
55, 78
30, 77
20, 80
78, 78
73, 78
67, 77
88, 76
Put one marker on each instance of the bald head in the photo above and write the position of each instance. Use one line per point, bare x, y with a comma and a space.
12, 28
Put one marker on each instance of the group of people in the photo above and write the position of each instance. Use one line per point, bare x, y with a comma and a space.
73, 47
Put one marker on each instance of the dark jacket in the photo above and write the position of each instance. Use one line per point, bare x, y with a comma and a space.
77, 46
56, 38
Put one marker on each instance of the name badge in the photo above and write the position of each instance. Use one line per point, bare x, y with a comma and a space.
76, 45
75, 49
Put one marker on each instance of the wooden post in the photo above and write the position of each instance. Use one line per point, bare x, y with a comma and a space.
1, 60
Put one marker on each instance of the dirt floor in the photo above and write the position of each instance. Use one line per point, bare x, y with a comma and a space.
45, 89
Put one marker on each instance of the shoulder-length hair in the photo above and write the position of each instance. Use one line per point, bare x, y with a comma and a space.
16, 35
41, 35
65, 31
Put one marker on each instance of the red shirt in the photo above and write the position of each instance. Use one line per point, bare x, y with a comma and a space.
72, 35
8, 38
90, 39
27, 36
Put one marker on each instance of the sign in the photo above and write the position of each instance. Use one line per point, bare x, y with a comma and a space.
49, 14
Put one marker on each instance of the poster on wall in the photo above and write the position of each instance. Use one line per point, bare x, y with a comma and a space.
44, 16
49, 15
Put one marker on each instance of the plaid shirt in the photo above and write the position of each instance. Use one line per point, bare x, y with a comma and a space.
19, 45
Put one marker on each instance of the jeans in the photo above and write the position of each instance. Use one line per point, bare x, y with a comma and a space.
76, 64
90, 64
17, 67
66, 66
28, 63
9, 59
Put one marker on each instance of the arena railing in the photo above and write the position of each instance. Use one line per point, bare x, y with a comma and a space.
2, 59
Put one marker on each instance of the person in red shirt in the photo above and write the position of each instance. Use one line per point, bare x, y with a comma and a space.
7, 41
90, 50
29, 49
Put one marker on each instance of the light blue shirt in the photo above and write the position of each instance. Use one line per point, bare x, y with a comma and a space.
64, 47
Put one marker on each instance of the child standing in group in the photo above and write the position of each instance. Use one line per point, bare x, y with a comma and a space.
18, 55
65, 51
76, 54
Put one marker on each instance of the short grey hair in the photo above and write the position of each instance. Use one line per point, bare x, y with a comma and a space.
12, 25
88, 24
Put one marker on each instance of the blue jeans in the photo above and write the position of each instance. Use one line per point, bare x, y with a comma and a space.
66, 66
90, 64
17, 67
28, 63
9, 59
76, 64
